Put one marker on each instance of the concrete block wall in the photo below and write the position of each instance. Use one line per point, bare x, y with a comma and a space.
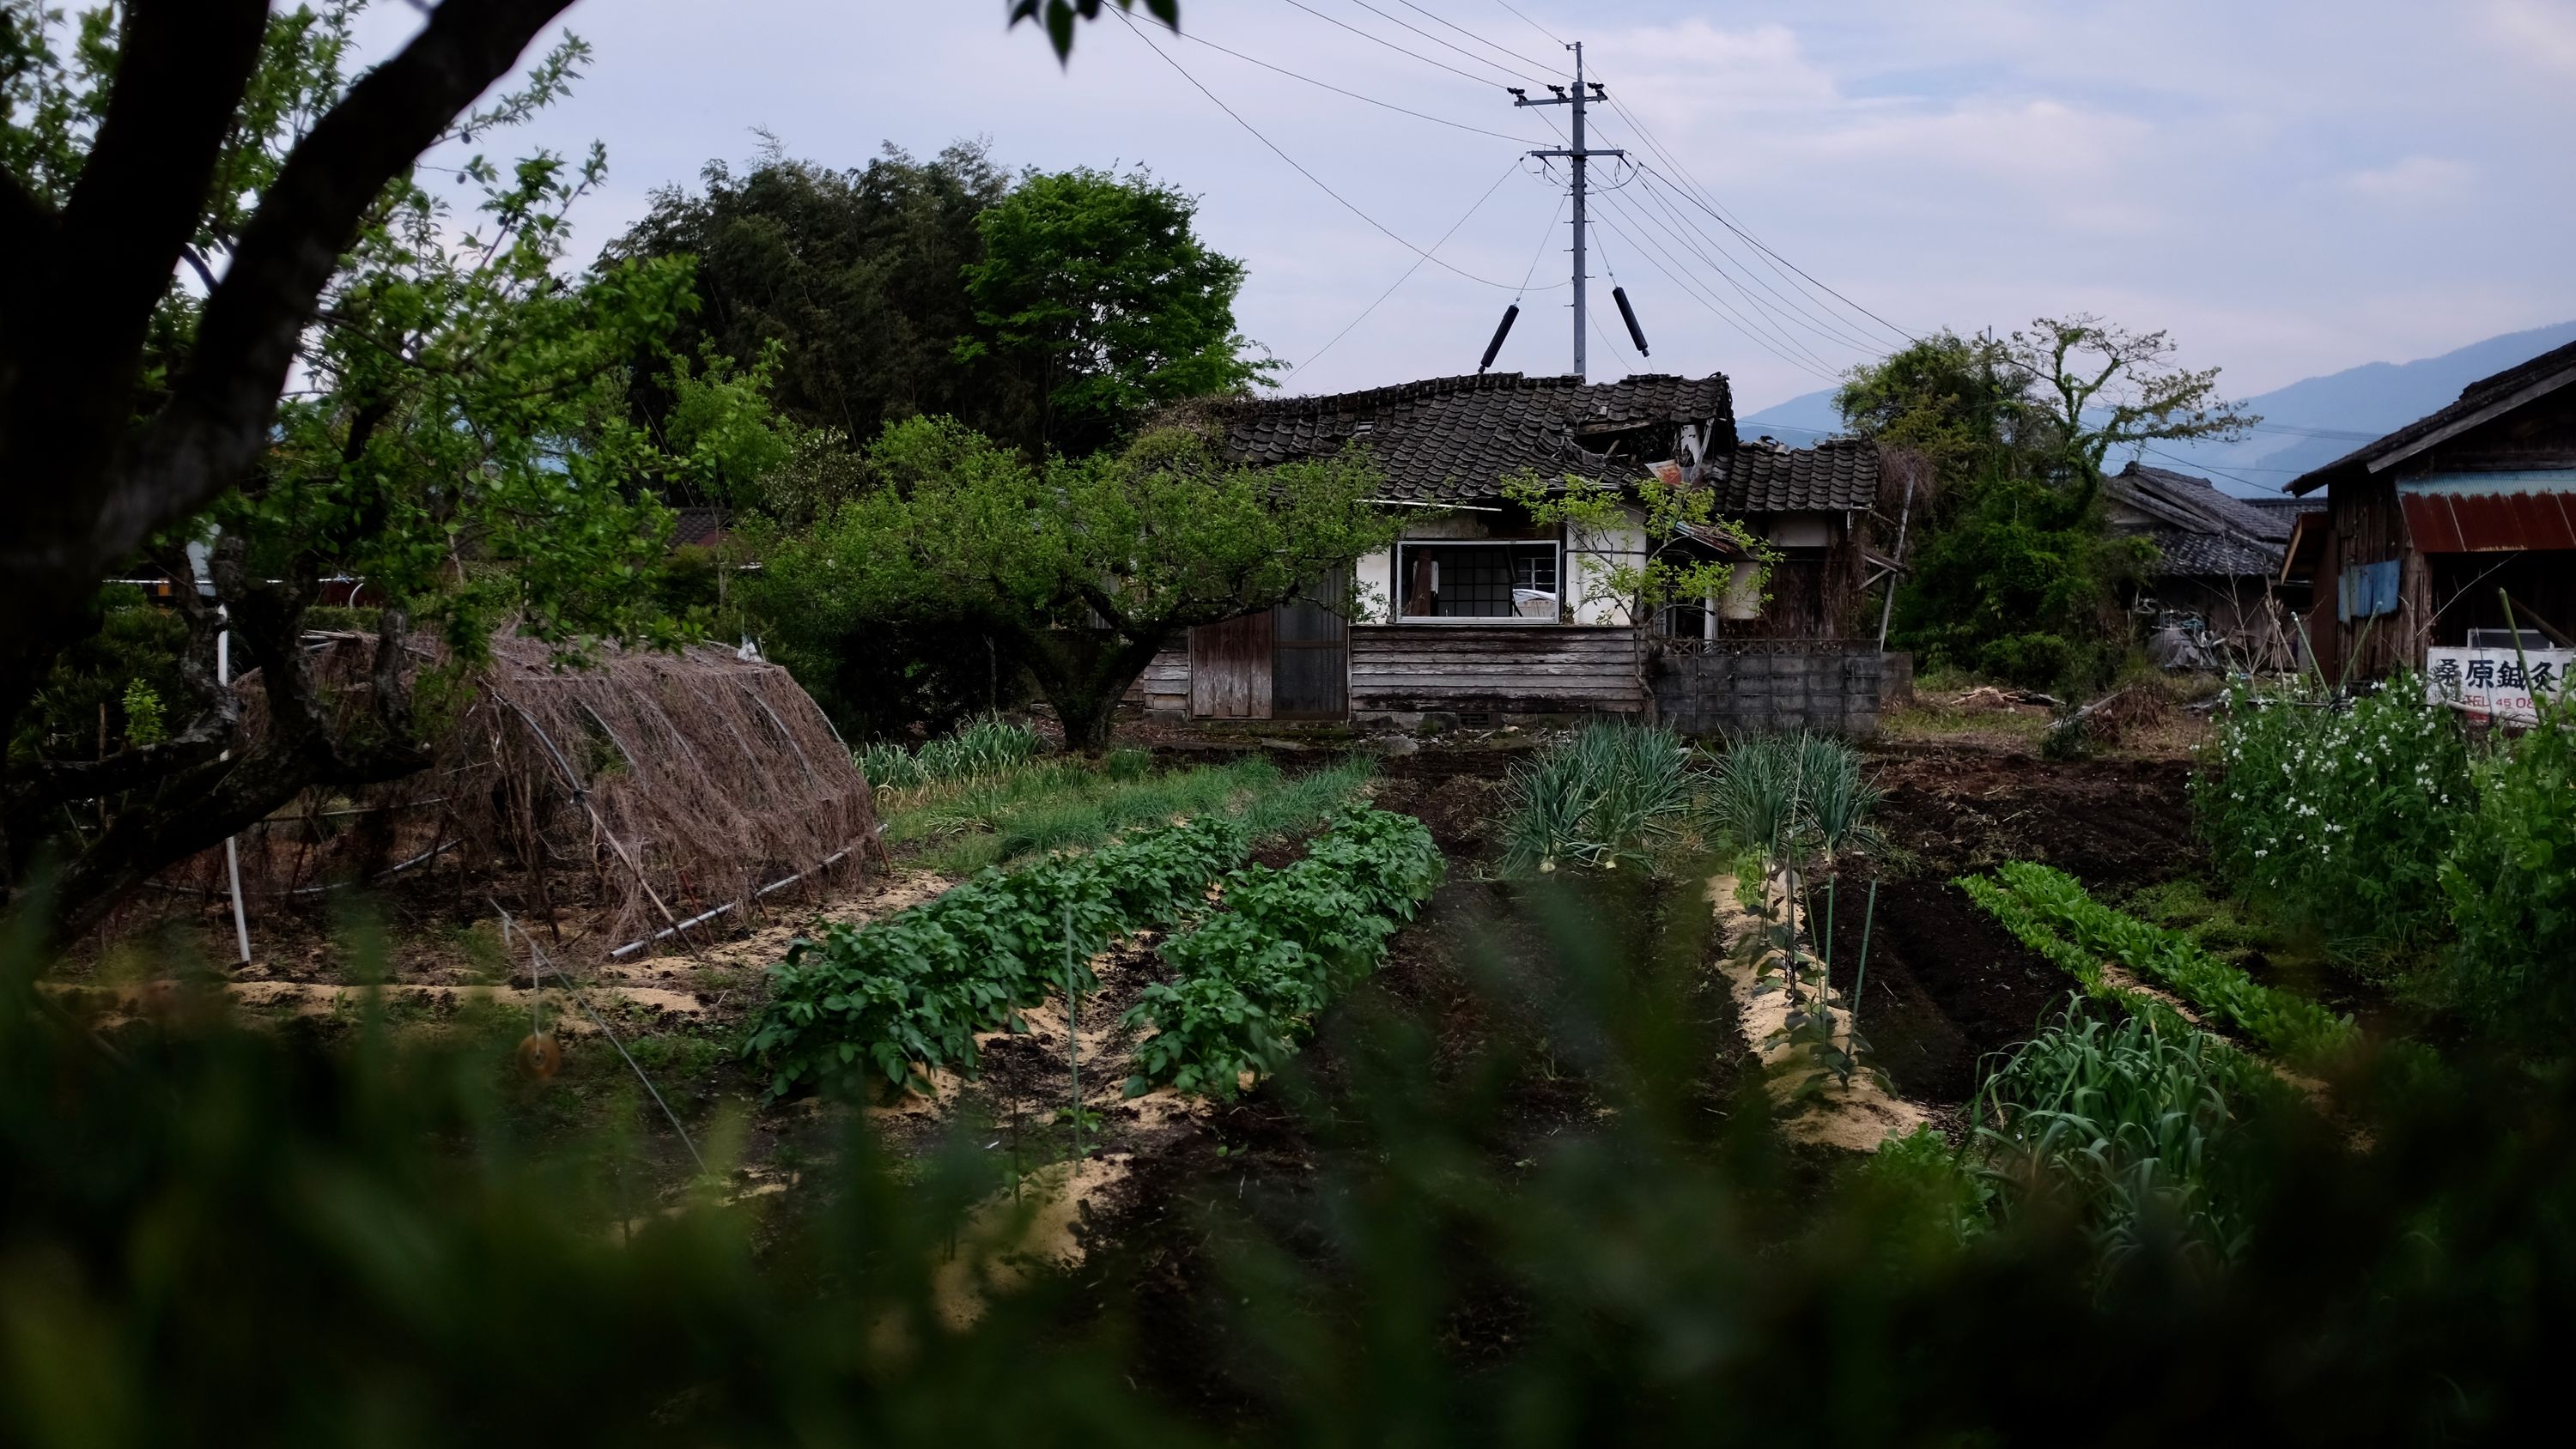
1832, 689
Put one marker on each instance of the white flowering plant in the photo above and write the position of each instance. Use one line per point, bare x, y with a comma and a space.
2338, 816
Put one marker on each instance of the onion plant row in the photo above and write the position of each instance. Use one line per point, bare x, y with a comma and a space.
1249, 980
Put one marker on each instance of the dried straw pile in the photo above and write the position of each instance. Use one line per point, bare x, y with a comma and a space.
660, 786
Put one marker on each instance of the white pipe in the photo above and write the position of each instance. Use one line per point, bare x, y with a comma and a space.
631, 947
232, 843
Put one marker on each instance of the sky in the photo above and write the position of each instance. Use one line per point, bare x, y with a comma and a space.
2290, 187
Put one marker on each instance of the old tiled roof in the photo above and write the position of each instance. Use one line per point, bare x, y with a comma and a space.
2551, 369
2193, 503
1454, 439
1834, 475
2200, 532
2184, 554
700, 527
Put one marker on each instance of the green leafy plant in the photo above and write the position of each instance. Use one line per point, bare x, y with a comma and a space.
1608, 794
909, 993
1289, 941
2509, 886
2052, 913
2337, 815
2125, 1119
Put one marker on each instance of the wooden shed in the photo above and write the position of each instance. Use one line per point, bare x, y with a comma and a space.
2428, 531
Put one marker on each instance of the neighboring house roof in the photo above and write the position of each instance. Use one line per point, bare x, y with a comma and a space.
2198, 531
1455, 439
2485, 398
699, 527
1835, 475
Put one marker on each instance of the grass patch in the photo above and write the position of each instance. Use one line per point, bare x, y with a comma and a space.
1067, 804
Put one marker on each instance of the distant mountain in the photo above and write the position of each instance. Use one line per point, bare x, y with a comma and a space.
1797, 422
2305, 425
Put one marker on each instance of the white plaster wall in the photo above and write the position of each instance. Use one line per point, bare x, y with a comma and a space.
1589, 558
1801, 530
1375, 577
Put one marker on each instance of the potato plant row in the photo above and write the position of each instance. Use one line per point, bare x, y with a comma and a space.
912, 991
2053, 914
1251, 978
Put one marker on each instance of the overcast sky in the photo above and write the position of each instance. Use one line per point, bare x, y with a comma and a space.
2291, 187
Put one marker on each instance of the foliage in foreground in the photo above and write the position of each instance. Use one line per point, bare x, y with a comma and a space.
1252, 978
1609, 793
1653, 1271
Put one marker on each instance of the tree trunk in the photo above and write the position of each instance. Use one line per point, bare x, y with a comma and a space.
1084, 673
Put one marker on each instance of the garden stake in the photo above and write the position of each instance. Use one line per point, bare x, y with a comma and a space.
1860, 979
1073, 1032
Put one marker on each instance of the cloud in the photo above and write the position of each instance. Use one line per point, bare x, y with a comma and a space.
2541, 32
2411, 180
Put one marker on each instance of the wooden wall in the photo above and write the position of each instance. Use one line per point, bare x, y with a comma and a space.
1495, 669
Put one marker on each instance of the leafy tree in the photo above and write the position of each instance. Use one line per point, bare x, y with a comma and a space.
117, 167
854, 279
459, 439
1079, 569
1096, 292
2014, 574
1664, 516
2103, 387
1051, 312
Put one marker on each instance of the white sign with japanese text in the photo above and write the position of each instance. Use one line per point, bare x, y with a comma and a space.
2497, 683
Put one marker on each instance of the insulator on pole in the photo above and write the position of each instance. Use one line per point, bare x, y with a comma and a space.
1628, 314
1494, 348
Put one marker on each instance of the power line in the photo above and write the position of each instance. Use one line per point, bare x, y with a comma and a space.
1354, 95
1700, 195
1757, 243
1436, 40
1381, 40
1810, 363
1821, 324
1417, 266
1525, 20
1320, 184
1471, 35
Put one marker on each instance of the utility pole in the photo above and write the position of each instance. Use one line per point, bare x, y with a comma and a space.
1584, 93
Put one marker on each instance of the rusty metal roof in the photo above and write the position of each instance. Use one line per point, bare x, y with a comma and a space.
2479, 520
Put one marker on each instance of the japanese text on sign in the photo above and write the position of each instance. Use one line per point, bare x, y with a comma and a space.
2497, 683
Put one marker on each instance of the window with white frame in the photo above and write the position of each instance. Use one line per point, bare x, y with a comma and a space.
1498, 580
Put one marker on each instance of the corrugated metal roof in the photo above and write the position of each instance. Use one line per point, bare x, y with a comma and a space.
2454, 521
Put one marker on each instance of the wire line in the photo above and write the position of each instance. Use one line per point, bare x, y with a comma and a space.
1409, 271
1347, 204
1382, 40
1354, 95
1436, 40
1471, 35
1525, 20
